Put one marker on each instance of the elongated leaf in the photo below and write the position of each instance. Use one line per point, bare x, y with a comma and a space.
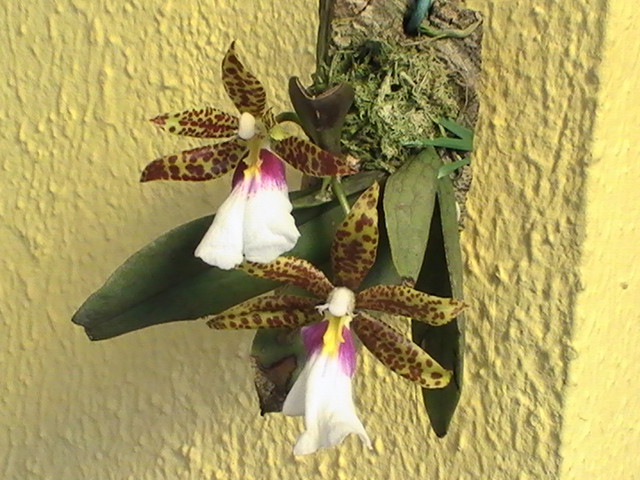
164, 282
441, 275
446, 142
457, 129
449, 168
464, 142
409, 198
437, 271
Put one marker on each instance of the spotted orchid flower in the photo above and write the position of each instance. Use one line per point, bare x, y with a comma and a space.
322, 392
255, 221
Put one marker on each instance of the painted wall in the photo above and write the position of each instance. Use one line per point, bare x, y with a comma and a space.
550, 248
602, 401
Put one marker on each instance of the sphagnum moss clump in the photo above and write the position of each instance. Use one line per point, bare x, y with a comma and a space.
400, 92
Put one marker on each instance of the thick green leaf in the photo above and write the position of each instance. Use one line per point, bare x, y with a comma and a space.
164, 282
441, 275
423, 233
409, 198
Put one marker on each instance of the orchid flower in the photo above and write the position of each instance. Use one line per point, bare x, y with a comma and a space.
322, 392
255, 221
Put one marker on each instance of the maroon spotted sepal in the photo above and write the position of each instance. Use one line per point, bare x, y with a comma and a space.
399, 353
197, 164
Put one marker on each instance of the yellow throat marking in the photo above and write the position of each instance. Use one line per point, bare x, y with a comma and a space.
332, 337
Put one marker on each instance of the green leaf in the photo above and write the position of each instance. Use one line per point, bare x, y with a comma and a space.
457, 129
422, 222
409, 198
464, 142
446, 142
441, 275
449, 168
164, 282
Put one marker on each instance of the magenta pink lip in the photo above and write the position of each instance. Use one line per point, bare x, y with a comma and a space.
271, 174
312, 340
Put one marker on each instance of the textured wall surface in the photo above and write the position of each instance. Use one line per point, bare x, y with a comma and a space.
602, 401
176, 401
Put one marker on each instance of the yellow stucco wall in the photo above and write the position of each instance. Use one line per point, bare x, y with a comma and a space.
601, 431
551, 252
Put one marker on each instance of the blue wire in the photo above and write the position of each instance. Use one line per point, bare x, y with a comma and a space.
415, 14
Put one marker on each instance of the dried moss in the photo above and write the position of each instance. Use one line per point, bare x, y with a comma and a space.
400, 91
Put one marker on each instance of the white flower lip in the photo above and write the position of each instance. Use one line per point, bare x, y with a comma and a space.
323, 394
269, 228
221, 246
255, 221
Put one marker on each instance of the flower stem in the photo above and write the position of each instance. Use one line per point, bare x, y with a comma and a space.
338, 191
324, 189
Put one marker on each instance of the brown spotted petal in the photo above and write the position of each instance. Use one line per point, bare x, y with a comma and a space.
197, 164
292, 271
289, 318
269, 119
356, 240
311, 159
244, 89
274, 302
406, 301
202, 123
399, 353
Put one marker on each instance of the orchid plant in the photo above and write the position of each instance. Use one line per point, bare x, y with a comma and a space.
257, 224
322, 392
255, 221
